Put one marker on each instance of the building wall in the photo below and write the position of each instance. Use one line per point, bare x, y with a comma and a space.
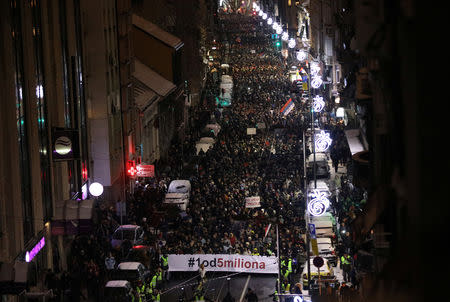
103, 95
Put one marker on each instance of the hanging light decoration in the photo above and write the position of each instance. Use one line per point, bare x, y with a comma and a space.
279, 30
316, 81
301, 55
264, 16
269, 21
291, 43
284, 36
315, 68
318, 103
323, 141
275, 25
260, 12
318, 203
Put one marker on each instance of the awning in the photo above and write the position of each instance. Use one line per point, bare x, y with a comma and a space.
144, 97
152, 80
149, 86
354, 141
157, 32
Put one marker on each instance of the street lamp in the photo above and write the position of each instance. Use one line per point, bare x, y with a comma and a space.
96, 189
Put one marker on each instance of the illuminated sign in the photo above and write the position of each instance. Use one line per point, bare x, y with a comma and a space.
318, 203
323, 141
29, 255
318, 103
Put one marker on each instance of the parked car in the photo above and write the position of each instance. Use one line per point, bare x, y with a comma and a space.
130, 232
132, 272
118, 291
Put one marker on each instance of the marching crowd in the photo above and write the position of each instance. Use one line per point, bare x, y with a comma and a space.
216, 221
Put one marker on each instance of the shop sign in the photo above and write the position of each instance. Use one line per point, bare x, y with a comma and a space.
145, 170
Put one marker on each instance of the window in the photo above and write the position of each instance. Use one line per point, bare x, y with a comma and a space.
21, 114
41, 110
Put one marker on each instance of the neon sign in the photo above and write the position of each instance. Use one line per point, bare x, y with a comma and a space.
318, 103
29, 255
318, 203
323, 141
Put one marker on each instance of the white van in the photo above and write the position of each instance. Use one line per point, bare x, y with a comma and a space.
180, 186
179, 199
202, 147
321, 185
132, 272
215, 128
207, 140
324, 228
131, 232
119, 291
322, 167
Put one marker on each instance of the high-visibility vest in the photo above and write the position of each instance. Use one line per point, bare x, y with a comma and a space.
283, 263
153, 282
159, 276
158, 297
344, 260
275, 296
290, 265
287, 290
165, 261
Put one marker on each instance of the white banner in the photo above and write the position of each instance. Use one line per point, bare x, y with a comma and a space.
224, 263
252, 202
251, 131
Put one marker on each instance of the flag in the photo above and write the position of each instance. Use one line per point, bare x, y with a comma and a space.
267, 230
287, 108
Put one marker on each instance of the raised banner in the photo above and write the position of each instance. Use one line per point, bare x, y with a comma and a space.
224, 263
252, 202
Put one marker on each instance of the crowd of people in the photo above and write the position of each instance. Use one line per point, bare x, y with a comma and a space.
216, 221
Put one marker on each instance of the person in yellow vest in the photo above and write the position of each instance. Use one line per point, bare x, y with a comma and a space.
153, 282
140, 290
289, 268
165, 266
157, 296
287, 287
346, 262
159, 279
199, 294
148, 290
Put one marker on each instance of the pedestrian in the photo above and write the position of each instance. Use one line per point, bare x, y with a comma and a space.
346, 266
110, 264
251, 296
201, 273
